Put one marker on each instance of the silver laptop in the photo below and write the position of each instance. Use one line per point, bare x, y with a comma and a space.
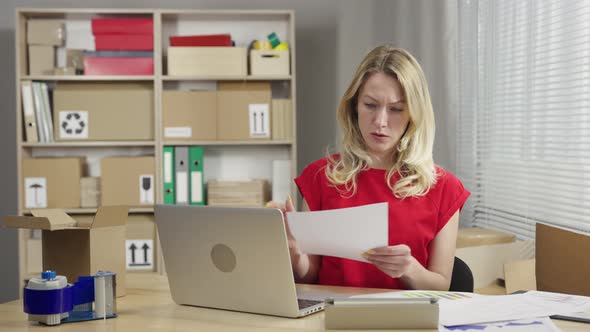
230, 258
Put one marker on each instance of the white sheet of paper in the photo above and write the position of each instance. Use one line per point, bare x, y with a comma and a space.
345, 233
507, 307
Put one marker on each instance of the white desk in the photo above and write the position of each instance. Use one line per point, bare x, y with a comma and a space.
149, 307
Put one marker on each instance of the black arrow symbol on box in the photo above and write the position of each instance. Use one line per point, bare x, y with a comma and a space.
145, 248
132, 248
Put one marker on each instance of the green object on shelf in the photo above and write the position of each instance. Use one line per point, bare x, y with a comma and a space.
274, 40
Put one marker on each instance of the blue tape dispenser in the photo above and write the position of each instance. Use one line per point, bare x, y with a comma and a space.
51, 300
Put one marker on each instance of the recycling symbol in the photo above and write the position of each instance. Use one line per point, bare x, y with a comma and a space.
74, 124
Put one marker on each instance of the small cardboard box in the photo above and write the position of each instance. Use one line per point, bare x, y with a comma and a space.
45, 32
248, 107
128, 181
238, 193
74, 249
51, 182
269, 63
41, 60
103, 111
207, 61
189, 115
141, 234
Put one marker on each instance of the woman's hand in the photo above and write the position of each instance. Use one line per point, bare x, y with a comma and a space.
293, 249
395, 261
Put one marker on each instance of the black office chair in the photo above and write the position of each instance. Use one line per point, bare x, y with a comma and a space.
462, 278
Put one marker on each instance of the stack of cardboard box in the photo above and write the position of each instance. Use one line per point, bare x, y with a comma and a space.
43, 36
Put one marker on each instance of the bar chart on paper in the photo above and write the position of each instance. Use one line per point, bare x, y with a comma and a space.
440, 295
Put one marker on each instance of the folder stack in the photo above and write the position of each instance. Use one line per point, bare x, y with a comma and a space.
183, 175
238, 193
36, 112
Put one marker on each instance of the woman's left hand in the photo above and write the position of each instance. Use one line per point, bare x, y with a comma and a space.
395, 261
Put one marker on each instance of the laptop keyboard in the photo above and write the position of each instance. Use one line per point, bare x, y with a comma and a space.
307, 303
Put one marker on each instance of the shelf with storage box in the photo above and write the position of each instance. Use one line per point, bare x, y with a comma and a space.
88, 78
108, 136
87, 144
227, 78
86, 112
217, 96
93, 210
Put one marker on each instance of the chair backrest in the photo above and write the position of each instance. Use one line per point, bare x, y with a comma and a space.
462, 278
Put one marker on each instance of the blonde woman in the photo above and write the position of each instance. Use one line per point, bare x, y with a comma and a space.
386, 156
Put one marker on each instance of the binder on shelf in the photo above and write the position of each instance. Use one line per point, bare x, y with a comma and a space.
47, 111
39, 115
168, 165
196, 179
29, 112
281, 180
181, 176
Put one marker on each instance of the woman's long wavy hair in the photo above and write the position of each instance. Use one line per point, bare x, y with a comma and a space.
413, 156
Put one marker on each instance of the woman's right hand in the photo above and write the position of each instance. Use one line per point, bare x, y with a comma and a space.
288, 207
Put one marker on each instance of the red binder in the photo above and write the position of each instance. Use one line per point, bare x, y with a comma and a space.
118, 66
124, 42
201, 40
128, 26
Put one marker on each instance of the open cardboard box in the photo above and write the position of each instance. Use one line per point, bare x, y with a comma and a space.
74, 249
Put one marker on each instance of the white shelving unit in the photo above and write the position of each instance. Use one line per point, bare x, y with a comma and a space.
220, 156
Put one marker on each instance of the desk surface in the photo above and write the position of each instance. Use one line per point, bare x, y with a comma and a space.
148, 306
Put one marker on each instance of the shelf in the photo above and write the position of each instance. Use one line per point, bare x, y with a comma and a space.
226, 78
87, 144
88, 78
93, 210
229, 143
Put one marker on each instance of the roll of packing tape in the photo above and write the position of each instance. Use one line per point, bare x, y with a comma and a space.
283, 46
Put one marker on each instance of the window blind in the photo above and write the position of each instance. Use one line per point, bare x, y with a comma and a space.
523, 144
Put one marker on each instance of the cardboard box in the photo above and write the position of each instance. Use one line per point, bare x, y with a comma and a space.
243, 111
238, 193
73, 249
141, 232
471, 237
269, 63
41, 59
127, 181
562, 261
103, 111
189, 115
89, 192
207, 61
51, 182
45, 32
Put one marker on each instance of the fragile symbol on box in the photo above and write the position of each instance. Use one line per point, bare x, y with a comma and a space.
73, 124
140, 254
35, 192
146, 189
259, 120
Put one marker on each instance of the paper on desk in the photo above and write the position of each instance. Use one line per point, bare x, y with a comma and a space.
509, 307
343, 233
